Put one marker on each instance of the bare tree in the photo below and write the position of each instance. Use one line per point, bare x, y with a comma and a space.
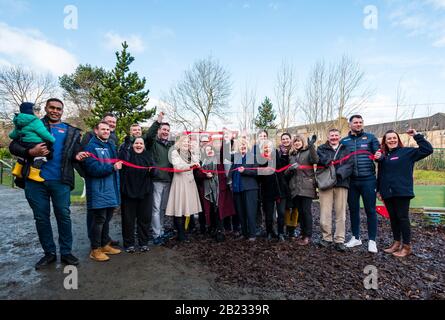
352, 92
319, 101
333, 92
285, 93
248, 105
202, 93
19, 85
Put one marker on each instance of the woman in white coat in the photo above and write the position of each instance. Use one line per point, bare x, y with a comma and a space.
183, 200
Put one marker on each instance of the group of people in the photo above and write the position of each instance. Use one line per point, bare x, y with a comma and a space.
229, 185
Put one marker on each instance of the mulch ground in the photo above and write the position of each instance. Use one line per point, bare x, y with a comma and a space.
288, 271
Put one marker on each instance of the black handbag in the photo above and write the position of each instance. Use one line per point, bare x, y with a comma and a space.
327, 178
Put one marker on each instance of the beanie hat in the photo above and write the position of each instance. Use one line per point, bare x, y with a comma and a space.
27, 107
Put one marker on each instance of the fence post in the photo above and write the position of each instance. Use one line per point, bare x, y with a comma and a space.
1, 173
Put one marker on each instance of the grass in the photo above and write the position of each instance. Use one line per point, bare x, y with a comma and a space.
427, 177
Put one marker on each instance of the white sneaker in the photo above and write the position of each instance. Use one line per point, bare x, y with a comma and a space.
353, 243
372, 246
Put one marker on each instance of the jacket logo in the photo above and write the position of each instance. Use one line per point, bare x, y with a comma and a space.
365, 138
394, 158
363, 145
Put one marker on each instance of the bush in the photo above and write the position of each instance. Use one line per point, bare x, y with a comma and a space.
5, 154
436, 161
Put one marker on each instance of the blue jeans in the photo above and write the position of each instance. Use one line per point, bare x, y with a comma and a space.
366, 189
39, 196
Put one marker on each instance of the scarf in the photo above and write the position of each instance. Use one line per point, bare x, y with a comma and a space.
211, 186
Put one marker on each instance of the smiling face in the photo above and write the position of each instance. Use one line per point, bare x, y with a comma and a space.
285, 140
334, 138
103, 131
392, 141
262, 136
164, 132
54, 111
138, 145
185, 145
136, 131
111, 122
298, 144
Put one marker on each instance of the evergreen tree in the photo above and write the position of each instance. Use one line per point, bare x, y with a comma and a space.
122, 93
266, 115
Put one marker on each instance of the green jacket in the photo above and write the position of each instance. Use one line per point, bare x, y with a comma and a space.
29, 128
159, 151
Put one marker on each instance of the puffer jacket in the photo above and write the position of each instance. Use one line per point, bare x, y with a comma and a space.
343, 170
101, 180
302, 181
29, 128
364, 167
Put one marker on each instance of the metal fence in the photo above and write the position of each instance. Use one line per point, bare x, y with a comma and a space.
6, 177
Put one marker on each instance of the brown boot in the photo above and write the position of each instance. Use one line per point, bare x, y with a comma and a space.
98, 255
405, 251
396, 246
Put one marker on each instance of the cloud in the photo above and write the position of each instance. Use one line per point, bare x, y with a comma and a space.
420, 18
113, 41
32, 49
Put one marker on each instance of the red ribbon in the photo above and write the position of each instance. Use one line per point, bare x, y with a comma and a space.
173, 170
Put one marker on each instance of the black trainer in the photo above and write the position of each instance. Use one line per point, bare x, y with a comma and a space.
48, 259
324, 244
340, 247
69, 259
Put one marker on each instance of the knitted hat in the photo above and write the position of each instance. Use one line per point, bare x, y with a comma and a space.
27, 107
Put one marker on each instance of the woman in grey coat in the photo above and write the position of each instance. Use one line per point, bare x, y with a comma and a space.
302, 158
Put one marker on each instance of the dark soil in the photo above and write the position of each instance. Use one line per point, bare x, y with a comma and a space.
288, 271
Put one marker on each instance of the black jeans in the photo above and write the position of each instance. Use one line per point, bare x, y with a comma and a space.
100, 227
136, 212
398, 208
269, 210
246, 208
304, 207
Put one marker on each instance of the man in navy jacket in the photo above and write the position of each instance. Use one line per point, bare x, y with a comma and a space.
363, 181
102, 186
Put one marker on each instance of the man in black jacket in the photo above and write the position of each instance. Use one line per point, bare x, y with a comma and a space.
59, 181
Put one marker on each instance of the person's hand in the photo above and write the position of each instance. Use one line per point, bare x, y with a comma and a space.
82, 155
39, 150
161, 116
378, 155
312, 141
411, 132
379, 196
241, 169
209, 175
118, 165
